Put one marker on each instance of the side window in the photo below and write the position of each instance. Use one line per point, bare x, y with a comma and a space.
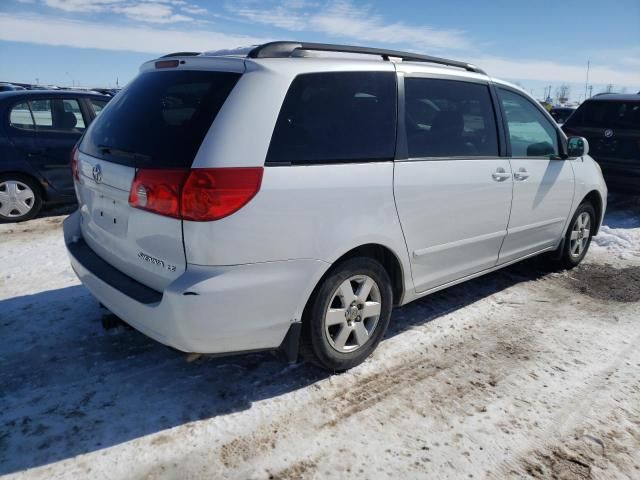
42, 114
624, 115
20, 117
97, 105
530, 132
336, 117
70, 108
448, 118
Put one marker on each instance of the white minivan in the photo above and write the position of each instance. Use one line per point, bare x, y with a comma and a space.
291, 194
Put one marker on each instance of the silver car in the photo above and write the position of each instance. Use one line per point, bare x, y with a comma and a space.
290, 195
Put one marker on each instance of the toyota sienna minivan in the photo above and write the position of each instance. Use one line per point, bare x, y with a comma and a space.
290, 195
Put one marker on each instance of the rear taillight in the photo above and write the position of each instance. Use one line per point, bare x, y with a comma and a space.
74, 163
200, 195
211, 194
158, 191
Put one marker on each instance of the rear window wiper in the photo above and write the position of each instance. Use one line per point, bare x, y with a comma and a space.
106, 150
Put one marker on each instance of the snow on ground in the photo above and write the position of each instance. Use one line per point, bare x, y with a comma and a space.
618, 237
517, 374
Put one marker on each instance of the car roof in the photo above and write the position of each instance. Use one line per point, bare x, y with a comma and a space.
51, 93
283, 55
617, 97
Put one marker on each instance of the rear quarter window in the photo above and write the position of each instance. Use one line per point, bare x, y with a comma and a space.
336, 117
21, 117
160, 119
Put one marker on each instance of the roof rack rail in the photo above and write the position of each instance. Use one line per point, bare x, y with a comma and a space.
285, 49
181, 54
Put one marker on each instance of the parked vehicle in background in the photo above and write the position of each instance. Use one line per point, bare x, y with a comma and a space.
273, 194
38, 130
561, 114
107, 91
611, 124
9, 87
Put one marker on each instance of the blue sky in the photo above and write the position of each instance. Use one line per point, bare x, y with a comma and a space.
99, 42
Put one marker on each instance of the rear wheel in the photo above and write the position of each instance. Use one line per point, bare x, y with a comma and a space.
578, 237
20, 198
348, 315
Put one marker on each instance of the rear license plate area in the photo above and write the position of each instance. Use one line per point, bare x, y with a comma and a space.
110, 215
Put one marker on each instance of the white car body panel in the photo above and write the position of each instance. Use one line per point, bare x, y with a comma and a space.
303, 212
540, 208
588, 179
454, 216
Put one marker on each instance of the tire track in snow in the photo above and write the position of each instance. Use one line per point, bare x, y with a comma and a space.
409, 371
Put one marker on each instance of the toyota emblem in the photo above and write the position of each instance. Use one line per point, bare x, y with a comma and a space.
97, 173
608, 133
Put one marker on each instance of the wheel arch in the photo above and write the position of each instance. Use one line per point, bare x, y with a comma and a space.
384, 255
38, 181
595, 199
299, 331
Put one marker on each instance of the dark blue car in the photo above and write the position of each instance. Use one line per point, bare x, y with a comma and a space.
38, 130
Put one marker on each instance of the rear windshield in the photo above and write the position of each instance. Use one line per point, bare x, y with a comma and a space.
160, 119
607, 114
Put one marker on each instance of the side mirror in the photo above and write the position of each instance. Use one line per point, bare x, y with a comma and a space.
577, 147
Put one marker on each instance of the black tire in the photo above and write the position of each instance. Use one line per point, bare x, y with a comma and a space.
563, 257
316, 345
36, 203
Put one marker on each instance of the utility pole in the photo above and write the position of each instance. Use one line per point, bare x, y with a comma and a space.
587, 79
590, 90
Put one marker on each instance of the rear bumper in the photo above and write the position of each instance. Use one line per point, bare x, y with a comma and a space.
213, 310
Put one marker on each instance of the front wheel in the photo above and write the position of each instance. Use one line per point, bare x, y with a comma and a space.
348, 315
578, 237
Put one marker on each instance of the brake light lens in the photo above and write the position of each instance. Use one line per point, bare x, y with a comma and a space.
158, 191
212, 194
167, 64
200, 195
75, 168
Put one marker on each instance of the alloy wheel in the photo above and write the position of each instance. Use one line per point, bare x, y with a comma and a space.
353, 313
580, 234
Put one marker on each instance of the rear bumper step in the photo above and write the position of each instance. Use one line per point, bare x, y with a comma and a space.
111, 276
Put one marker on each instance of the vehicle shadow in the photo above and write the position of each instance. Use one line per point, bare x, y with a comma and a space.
67, 387
55, 210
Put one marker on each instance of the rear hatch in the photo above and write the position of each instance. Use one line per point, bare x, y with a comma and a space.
612, 128
156, 123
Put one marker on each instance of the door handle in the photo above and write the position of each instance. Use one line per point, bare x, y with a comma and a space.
521, 174
38, 151
500, 175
